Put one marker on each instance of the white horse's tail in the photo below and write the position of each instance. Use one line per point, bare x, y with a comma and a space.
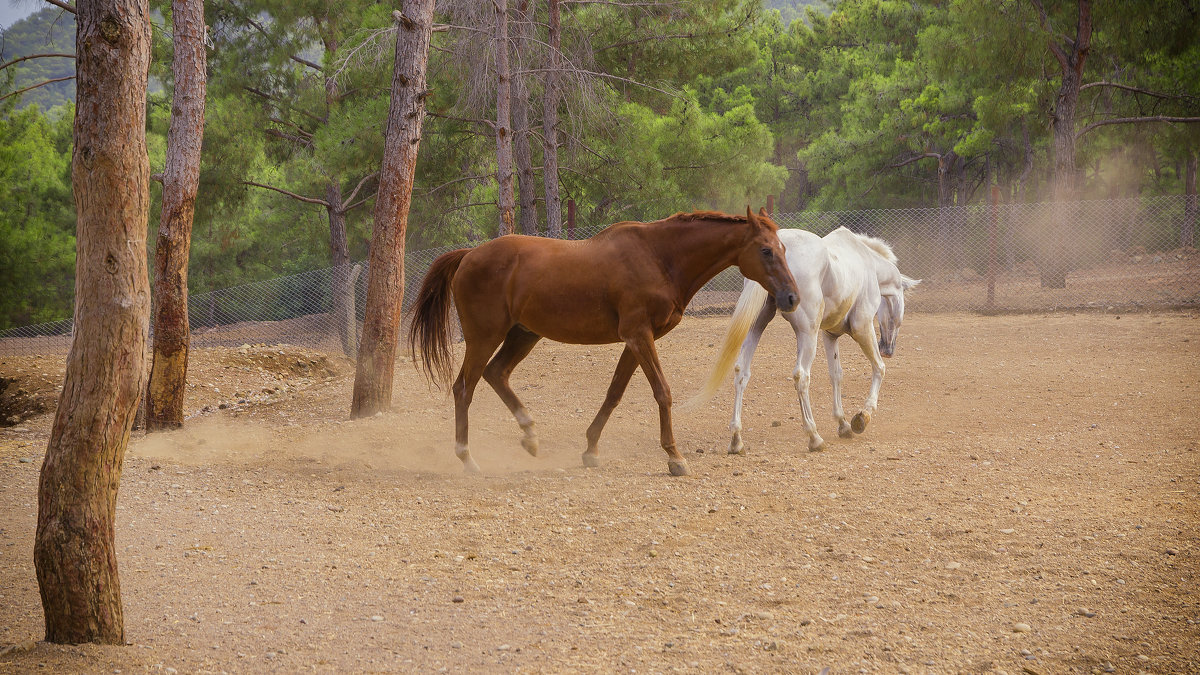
749, 304
907, 283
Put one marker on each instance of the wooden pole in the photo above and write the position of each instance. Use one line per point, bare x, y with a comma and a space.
993, 234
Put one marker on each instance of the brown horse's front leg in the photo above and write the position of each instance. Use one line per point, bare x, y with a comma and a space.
647, 356
625, 367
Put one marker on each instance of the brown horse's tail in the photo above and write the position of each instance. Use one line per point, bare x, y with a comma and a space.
430, 329
749, 306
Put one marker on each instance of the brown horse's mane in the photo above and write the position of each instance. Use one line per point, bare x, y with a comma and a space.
679, 217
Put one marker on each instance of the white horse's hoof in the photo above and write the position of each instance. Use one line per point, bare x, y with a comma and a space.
844, 430
736, 446
859, 423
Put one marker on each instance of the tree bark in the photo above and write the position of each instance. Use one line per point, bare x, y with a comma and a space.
181, 179
385, 281
504, 148
342, 300
550, 99
73, 552
522, 152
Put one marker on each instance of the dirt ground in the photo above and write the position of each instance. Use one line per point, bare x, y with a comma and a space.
1025, 501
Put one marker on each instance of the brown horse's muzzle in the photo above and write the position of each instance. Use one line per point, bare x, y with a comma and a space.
787, 300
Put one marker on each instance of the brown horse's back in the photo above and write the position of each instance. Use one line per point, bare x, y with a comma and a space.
568, 291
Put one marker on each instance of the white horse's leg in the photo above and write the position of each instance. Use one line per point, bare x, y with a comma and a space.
806, 350
741, 374
833, 357
864, 335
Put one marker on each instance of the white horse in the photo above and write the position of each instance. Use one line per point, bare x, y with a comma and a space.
845, 280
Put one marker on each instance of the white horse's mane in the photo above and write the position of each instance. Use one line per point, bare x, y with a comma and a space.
879, 246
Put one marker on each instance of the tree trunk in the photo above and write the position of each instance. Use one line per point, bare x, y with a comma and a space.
522, 152
181, 179
1056, 257
385, 282
342, 293
504, 148
550, 127
73, 553
1187, 231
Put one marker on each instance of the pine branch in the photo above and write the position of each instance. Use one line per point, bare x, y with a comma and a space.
1138, 120
35, 86
35, 56
64, 5
293, 195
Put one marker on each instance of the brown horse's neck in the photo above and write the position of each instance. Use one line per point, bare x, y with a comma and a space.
695, 248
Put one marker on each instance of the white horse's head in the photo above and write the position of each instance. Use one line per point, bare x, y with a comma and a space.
891, 314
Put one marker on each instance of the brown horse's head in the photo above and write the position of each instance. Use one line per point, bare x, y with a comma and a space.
762, 259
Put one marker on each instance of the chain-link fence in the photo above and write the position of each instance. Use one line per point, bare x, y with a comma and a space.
1119, 254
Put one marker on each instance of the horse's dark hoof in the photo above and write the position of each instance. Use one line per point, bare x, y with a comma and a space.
859, 423
678, 467
591, 460
530, 445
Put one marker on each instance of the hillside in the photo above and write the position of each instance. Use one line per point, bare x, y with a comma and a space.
48, 31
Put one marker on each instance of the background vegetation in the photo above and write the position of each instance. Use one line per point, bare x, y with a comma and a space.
677, 106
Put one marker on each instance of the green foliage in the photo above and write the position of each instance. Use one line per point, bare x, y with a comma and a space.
678, 105
37, 217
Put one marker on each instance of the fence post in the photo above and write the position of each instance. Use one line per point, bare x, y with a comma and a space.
770, 205
570, 219
993, 234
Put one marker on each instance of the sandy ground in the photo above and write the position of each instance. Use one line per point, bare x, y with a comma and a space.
1025, 501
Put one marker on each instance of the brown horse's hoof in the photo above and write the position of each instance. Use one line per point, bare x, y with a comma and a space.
678, 468
859, 423
591, 460
530, 445
470, 467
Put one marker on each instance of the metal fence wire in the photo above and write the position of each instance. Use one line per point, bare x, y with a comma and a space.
1124, 254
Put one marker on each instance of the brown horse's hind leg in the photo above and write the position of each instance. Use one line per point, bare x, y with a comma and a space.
464, 390
625, 367
516, 347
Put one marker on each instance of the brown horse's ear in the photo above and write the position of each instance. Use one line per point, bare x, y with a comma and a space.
750, 216
763, 213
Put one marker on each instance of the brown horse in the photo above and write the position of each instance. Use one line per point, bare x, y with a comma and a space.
630, 283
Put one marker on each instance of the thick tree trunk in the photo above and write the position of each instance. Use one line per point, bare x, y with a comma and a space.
73, 551
1191, 207
342, 293
504, 146
385, 282
168, 372
550, 99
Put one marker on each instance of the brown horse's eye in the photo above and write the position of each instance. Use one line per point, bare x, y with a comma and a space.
767, 253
